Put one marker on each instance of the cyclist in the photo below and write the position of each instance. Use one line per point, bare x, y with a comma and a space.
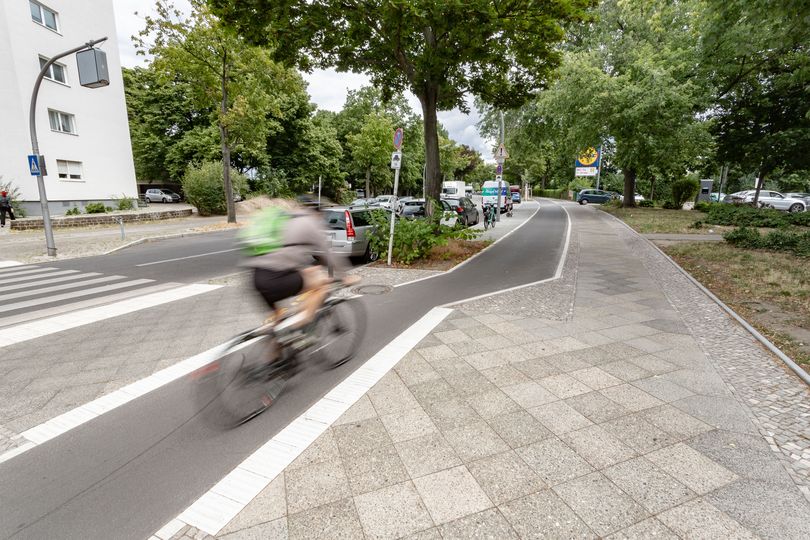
284, 248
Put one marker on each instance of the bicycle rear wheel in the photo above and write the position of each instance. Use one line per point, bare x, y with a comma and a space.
247, 379
340, 328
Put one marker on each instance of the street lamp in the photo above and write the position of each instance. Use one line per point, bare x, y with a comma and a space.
93, 73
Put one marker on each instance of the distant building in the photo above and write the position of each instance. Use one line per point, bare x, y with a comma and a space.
83, 133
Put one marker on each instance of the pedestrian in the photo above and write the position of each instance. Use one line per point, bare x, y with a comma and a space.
5, 206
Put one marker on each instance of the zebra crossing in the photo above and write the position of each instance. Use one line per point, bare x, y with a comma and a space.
34, 292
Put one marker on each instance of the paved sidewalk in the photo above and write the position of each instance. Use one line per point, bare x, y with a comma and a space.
637, 410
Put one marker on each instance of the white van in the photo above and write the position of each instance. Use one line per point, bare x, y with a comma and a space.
453, 189
489, 191
468, 190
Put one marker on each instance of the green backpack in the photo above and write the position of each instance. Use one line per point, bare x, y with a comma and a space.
265, 233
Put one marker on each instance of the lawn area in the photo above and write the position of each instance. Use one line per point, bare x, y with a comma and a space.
770, 290
659, 220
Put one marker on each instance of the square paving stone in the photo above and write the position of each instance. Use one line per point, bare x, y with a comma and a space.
429, 534
269, 505
675, 422
535, 368
699, 519
625, 370
519, 428
544, 515
651, 487
361, 437
722, 413
564, 386
437, 352
648, 343
391, 395
542, 348
662, 389
505, 477
362, 410
334, 520
701, 381
470, 383
428, 454
270, 530
428, 341
618, 351
451, 494
475, 441
553, 461
374, 470
408, 424
649, 528
529, 394
315, 485
414, 369
597, 446
452, 414
322, 449
559, 417
630, 397
596, 378
392, 512
566, 362
504, 376
691, 468
447, 367
463, 348
492, 403
600, 504
486, 525
637, 433
433, 391
596, 407
451, 336
653, 364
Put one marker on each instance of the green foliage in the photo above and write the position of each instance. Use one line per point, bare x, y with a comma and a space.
204, 188
551, 193
370, 151
792, 241
646, 203
684, 190
75, 211
747, 216
703, 206
125, 203
14, 192
95, 208
669, 205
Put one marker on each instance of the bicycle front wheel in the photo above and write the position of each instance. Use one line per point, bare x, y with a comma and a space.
340, 328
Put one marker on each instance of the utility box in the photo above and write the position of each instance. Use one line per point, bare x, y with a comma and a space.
705, 193
93, 71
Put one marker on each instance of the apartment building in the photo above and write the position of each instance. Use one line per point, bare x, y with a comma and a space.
83, 133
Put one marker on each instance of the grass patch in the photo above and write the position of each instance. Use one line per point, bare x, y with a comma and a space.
444, 257
770, 290
660, 220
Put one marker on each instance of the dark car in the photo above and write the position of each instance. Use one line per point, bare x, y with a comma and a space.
593, 196
466, 211
413, 208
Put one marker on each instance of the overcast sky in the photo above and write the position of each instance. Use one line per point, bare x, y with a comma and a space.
327, 88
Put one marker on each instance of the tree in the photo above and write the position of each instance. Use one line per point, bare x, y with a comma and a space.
469, 159
370, 148
441, 51
225, 75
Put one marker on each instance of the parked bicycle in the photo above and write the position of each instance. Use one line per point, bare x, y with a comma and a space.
254, 367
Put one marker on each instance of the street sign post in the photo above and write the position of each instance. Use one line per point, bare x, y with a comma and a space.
588, 163
33, 165
396, 163
500, 156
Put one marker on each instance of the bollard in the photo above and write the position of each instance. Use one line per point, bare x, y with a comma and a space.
120, 221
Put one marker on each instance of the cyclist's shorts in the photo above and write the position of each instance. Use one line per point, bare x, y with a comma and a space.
276, 285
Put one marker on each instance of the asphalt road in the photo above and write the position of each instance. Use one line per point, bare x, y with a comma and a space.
128, 472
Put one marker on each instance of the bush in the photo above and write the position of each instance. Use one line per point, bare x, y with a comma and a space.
748, 216
794, 242
126, 203
204, 187
646, 203
702, 206
73, 211
14, 192
669, 205
95, 208
551, 193
684, 190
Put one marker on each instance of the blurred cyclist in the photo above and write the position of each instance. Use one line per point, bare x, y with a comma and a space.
282, 246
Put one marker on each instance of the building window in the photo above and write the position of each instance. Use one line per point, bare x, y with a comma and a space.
69, 170
44, 16
62, 122
56, 72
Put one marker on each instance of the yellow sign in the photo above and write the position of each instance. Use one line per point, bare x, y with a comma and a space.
588, 157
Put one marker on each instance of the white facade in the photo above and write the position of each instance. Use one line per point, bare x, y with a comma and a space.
94, 162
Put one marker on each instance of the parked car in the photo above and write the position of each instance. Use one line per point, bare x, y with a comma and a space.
467, 212
516, 197
161, 195
770, 199
401, 202
348, 231
413, 208
363, 203
718, 197
803, 196
587, 196
385, 200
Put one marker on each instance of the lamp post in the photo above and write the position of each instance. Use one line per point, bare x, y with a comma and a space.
32, 120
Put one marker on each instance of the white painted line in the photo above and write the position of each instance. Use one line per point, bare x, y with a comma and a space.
557, 273
74, 294
32, 270
189, 257
39, 276
217, 507
10, 264
29, 284
64, 286
462, 263
36, 329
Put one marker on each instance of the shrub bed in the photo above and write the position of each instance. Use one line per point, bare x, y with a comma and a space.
796, 242
748, 216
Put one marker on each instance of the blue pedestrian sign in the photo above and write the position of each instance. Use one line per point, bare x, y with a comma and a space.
33, 166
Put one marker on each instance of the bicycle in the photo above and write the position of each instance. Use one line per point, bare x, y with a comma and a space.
489, 216
253, 368
509, 210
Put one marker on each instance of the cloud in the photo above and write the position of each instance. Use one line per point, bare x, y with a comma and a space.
327, 88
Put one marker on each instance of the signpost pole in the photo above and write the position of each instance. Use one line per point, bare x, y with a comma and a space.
320, 182
396, 163
599, 172
500, 177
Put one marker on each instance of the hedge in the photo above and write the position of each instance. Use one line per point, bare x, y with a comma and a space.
748, 216
795, 242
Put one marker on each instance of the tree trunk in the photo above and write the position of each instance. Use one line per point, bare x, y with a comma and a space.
433, 185
629, 188
368, 182
226, 149
652, 188
760, 183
